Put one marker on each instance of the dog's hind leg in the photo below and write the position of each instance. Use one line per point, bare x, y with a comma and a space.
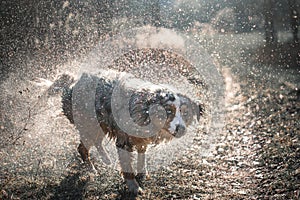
100, 149
84, 152
85, 155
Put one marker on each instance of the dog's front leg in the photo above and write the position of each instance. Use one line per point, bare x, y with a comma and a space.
141, 163
127, 171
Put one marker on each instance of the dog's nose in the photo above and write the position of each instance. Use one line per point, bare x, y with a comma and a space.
179, 131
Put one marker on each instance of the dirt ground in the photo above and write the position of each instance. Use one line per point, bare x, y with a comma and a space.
256, 156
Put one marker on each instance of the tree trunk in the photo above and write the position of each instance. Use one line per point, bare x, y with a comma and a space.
269, 22
294, 20
155, 13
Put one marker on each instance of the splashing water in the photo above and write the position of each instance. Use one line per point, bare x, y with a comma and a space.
162, 56
158, 55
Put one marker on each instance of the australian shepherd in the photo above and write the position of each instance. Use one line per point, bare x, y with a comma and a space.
102, 105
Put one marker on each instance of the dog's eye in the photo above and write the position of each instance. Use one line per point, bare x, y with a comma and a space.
184, 110
170, 110
184, 113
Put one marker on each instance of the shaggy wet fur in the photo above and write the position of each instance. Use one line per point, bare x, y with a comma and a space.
139, 104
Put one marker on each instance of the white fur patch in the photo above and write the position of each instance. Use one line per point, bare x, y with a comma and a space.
177, 120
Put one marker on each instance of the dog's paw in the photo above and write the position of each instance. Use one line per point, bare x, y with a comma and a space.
89, 166
133, 186
105, 158
142, 176
93, 168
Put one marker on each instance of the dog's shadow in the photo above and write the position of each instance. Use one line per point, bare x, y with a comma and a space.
75, 185
125, 195
71, 187
123, 192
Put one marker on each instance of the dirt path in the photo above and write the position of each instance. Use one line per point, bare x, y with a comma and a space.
255, 157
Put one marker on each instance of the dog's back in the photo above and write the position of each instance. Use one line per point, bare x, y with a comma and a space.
102, 94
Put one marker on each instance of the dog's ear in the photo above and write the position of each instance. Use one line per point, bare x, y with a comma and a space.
198, 109
196, 106
140, 104
139, 108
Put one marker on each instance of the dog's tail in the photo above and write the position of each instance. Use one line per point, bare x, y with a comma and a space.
61, 86
64, 81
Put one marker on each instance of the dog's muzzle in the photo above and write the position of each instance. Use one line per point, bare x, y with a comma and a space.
179, 131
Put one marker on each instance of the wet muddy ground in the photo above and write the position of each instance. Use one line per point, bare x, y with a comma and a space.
256, 156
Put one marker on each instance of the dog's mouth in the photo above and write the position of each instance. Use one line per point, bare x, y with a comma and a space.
178, 132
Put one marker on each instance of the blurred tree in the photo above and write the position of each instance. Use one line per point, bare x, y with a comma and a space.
104, 14
155, 13
151, 14
294, 19
248, 14
269, 22
224, 21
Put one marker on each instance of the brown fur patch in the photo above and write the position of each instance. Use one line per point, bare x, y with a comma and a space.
137, 143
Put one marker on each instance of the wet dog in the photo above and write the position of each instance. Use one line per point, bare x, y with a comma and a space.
133, 112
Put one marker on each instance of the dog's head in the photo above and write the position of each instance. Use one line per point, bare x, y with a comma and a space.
170, 112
